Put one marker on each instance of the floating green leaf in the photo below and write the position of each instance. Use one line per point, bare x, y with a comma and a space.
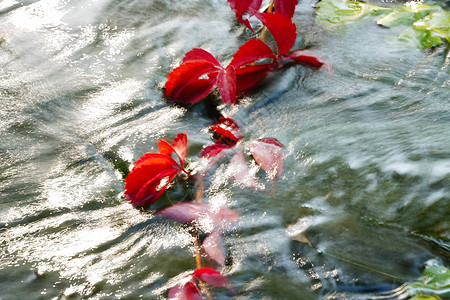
337, 12
435, 281
424, 26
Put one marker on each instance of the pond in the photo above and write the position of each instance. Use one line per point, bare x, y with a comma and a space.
362, 205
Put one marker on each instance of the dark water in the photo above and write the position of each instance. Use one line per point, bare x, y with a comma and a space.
367, 171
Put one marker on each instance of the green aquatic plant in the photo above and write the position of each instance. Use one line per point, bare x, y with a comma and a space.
433, 284
422, 26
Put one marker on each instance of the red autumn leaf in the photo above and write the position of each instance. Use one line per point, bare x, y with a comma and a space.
179, 147
153, 188
213, 150
186, 74
268, 154
226, 83
228, 132
307, 58
248, 76
211, 276
250, 52
185, 212
196, 91
198, 54
224, 217
214, 248
189, 212
185, 291
282, 30
244, 6
286, 7
240, 172
144, 184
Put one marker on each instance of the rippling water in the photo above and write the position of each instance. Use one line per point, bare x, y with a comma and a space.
366, 178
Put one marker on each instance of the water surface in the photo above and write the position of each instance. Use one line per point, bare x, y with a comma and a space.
367, 171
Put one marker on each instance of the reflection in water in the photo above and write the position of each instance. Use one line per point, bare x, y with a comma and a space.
362, 204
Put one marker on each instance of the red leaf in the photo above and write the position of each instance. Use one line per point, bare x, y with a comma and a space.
282, 30
141, 184
185, 212
228, 131
226, 83
244, 6
198, 54
153, 188
179, 146
240, 172
269, 156
211, 276
188, 74
196, 91
307, 58
286, 7
186, 291
224, 217
213, 150
214, 248
248, 76
250, 52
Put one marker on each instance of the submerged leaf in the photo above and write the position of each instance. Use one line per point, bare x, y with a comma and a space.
435, 280
268, 154
214, 247
185, 291
211, 276
424, 26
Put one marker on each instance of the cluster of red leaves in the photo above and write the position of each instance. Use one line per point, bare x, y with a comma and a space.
148, 179
187, 287
199, 71
267, 152
153, 172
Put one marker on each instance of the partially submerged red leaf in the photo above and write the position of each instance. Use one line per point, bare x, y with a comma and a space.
179, 147
185, 291
240, 172
228, 132
186, 74
282, 30
214, 248
244, 6
185, 212
248, 76
211, 276
286, 7
226, 83
192, 212
250, 52
213, 150
307, 58
268, 154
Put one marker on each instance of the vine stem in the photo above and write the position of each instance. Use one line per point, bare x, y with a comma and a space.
197, 246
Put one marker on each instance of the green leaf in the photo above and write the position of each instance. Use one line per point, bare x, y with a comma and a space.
336, 12
424, 26
435, 281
